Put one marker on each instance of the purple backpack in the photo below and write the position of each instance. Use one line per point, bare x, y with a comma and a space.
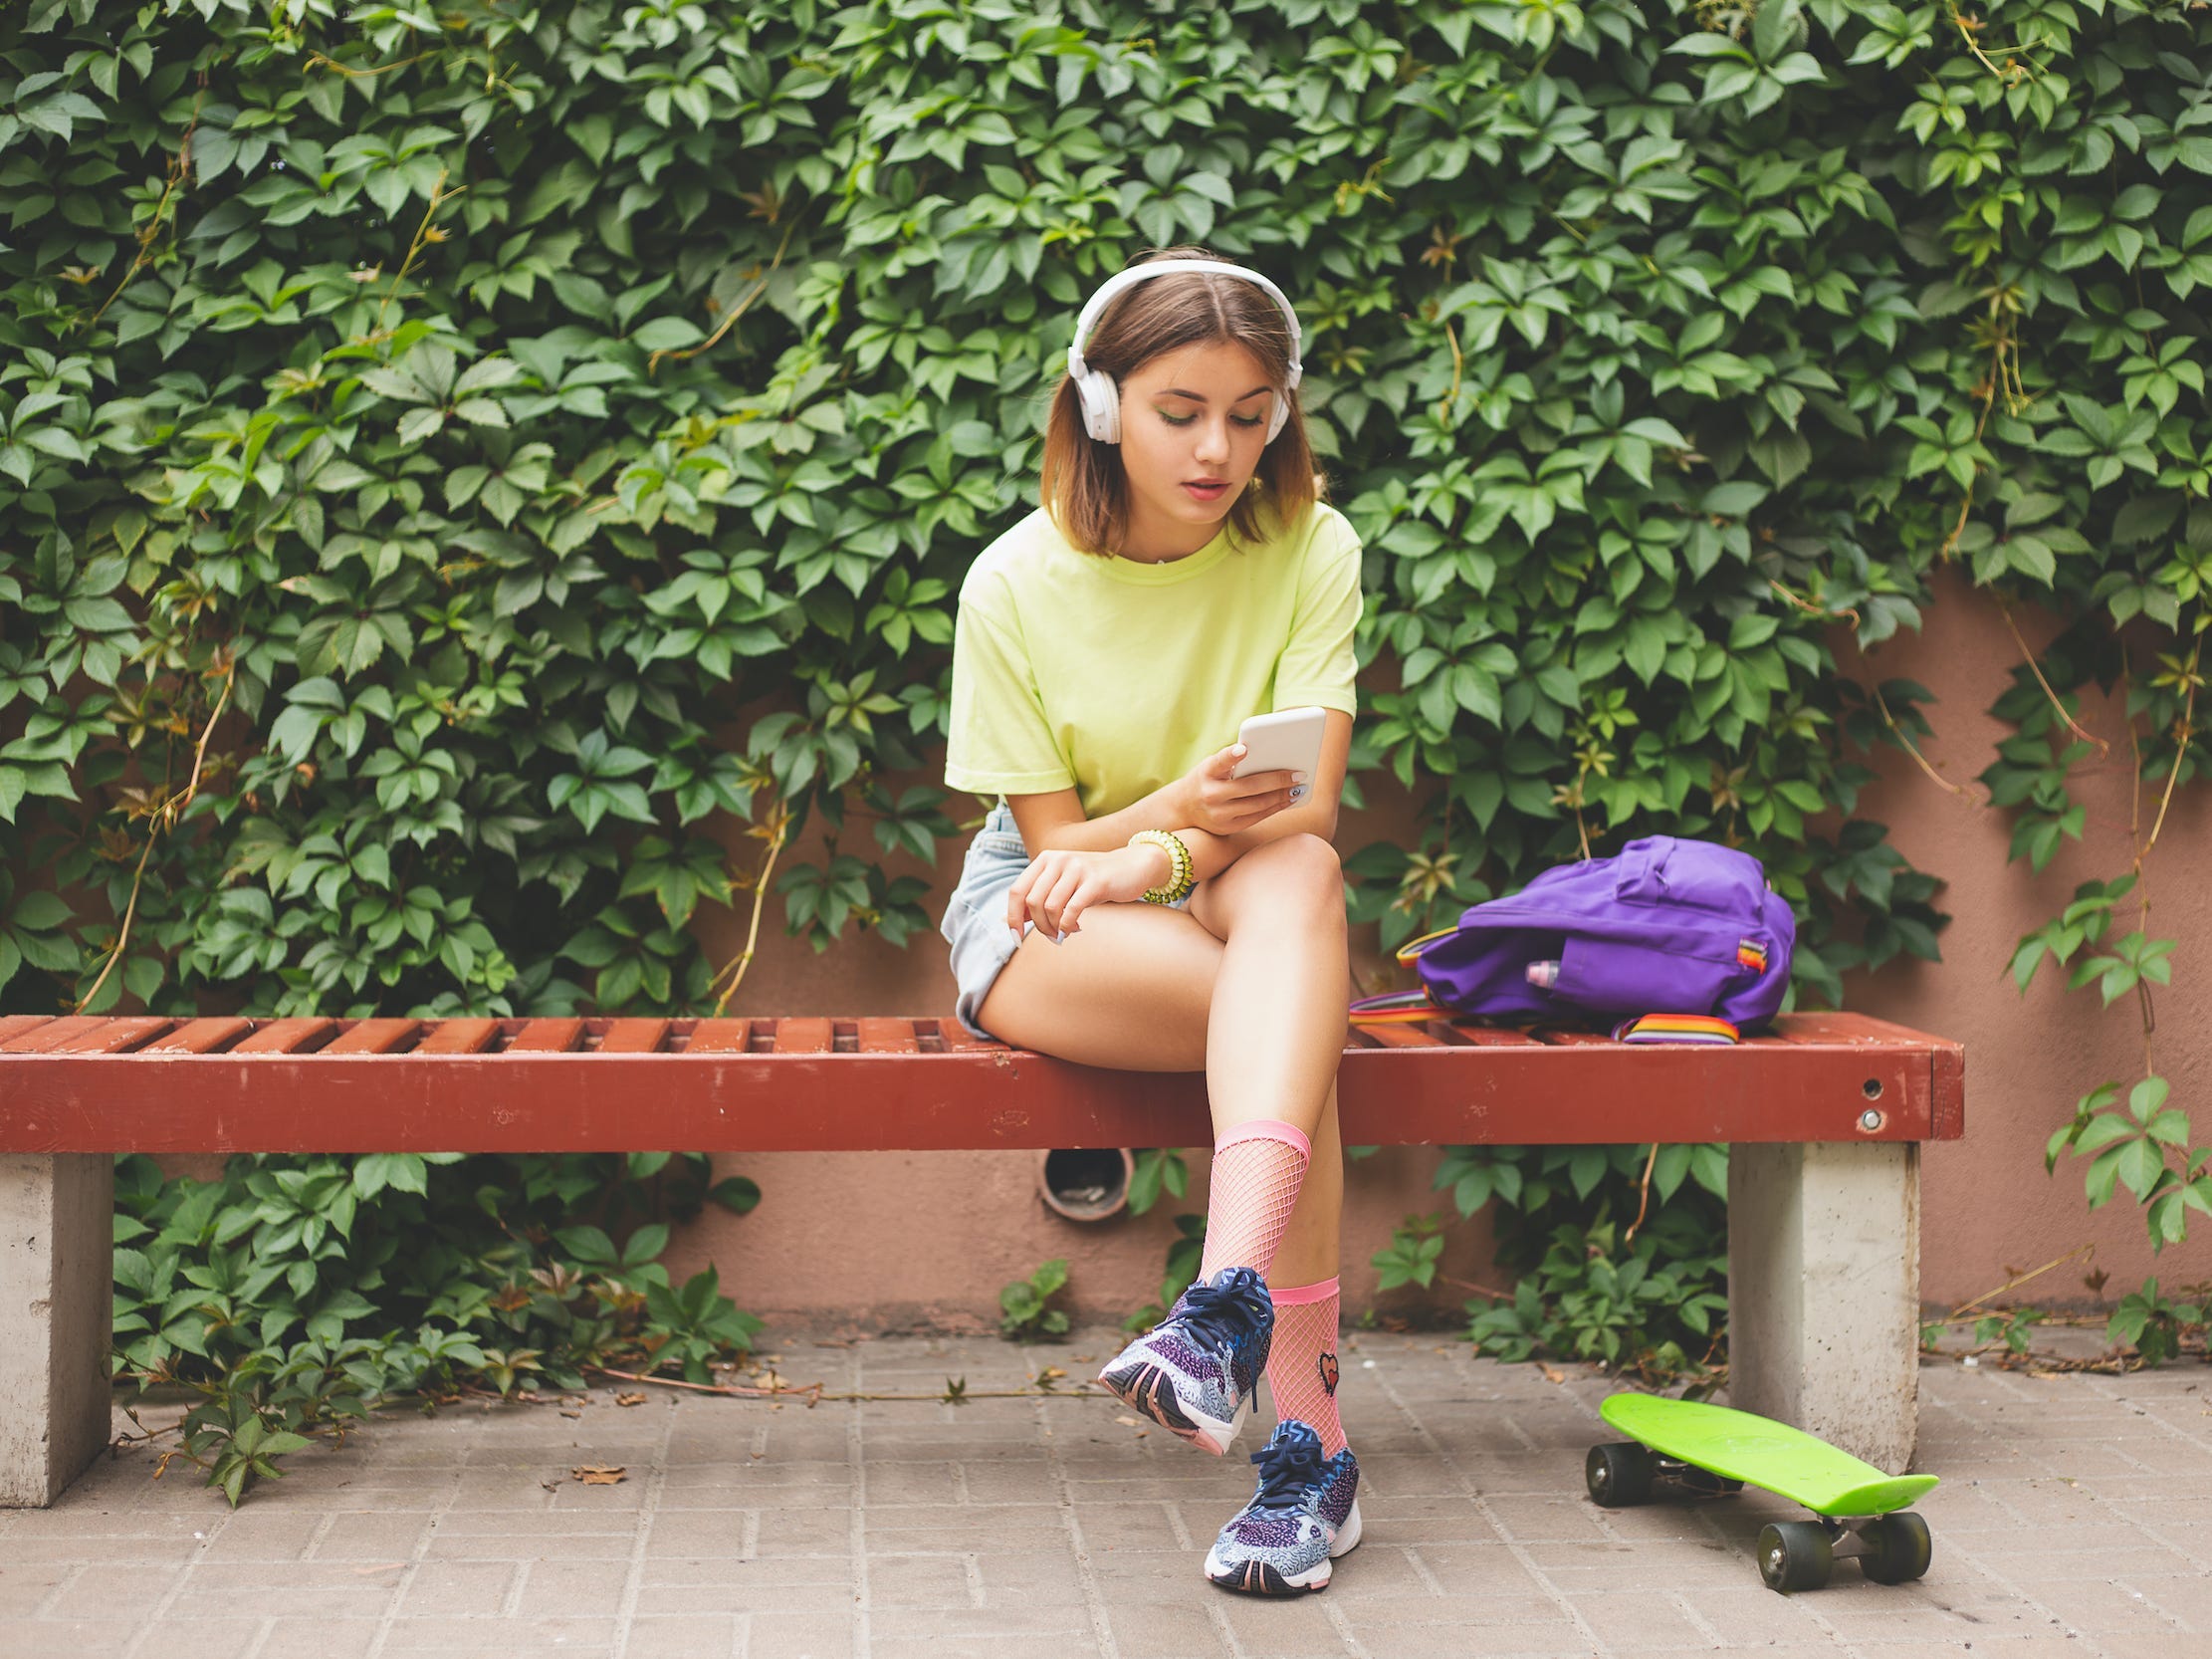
1667, 925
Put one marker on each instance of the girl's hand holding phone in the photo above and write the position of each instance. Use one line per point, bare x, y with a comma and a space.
1222, 805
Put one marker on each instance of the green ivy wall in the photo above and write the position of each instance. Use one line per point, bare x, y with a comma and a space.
451, 462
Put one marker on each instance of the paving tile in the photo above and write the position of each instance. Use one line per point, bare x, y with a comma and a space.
1158, 1631
921, 1582
1637, 1619
739, 1595
231, 1639
1045, 1626
373, 1537
310, 1638
463, 1589
802, 1636
26, 1585
985, 1647
501, 1638
98, 1594
46, 1638
559, 1587
692, 1636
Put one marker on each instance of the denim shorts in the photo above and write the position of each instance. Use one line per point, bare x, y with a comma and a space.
974, 923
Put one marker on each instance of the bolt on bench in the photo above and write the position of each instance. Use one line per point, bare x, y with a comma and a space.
1824, 1119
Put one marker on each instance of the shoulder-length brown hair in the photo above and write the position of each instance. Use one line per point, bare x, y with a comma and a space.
1084, 489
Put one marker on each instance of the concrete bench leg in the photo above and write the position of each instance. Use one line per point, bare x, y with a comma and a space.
57, 1303
1824, 1291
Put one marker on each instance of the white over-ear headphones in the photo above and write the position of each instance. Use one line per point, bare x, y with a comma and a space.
1101, 397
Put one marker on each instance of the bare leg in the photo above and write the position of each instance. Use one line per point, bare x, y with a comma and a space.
1280, 998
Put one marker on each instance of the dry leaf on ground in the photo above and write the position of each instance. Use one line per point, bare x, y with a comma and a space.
629, 1399
596, 1474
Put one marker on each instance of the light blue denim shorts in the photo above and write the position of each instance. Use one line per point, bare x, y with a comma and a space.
974, 923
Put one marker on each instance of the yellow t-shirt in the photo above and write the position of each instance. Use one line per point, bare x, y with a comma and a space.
1113, 676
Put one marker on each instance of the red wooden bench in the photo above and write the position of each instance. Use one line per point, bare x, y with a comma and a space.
1825, 1119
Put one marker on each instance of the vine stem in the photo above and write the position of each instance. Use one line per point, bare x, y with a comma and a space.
1914, 750
2104, 749
178, 170
425, 233
1459, 362
780, 824
813, 1392
1478, 1290
2143, 846
160, 822
1967, 1307
737, 311
317, 60
1642, 1194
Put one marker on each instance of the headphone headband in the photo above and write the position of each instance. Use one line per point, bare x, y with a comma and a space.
1100, 396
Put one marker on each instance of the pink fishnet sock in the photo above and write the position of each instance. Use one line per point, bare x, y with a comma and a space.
1257, 1168
1301, 1365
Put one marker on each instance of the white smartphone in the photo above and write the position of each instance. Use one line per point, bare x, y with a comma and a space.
1289, 740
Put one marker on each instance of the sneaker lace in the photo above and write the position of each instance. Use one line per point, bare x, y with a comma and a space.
1288, 1469
1216, 1312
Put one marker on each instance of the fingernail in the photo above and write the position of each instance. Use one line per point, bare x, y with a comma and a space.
1236, 749
1062, 939
1297, 777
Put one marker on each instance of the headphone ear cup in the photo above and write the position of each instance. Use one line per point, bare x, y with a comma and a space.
1281, 418
1101, 405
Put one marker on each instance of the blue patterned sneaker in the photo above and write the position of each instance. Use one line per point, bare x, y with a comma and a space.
1304, 1514
1195, 1373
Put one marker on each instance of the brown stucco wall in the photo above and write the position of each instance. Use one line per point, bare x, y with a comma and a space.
1989, 1211
883, 1241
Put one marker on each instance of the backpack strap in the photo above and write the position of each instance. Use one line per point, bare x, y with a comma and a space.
1396, 1007
1414, 947
1675, 1028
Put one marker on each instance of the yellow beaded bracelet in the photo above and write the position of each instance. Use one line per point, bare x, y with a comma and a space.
1182, 880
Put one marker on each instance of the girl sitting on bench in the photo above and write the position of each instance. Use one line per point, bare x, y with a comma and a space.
1128, 903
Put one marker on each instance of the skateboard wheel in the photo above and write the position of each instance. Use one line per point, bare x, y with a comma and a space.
1795, 1555
1618, 1475
1898, 1548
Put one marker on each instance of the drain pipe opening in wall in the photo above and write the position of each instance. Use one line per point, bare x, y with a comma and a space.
1085, 1183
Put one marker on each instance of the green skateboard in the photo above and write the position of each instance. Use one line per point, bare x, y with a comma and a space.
1711, 1449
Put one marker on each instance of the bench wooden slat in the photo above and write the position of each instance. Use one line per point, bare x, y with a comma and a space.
287, 1037
199, 1037
887, 1036
633, 1037
49, 1034
372, 1036
1403, 1037
15, 1025
458, 1037
547, 1036
114, 1037
719, 1037
1484, 1037
1849, 1030
956, 1037
806, 1037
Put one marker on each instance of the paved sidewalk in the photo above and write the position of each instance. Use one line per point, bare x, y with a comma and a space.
2075, 1519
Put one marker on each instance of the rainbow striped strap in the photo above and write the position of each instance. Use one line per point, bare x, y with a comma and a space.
1675, 1028
1414, 947
1396, 1007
